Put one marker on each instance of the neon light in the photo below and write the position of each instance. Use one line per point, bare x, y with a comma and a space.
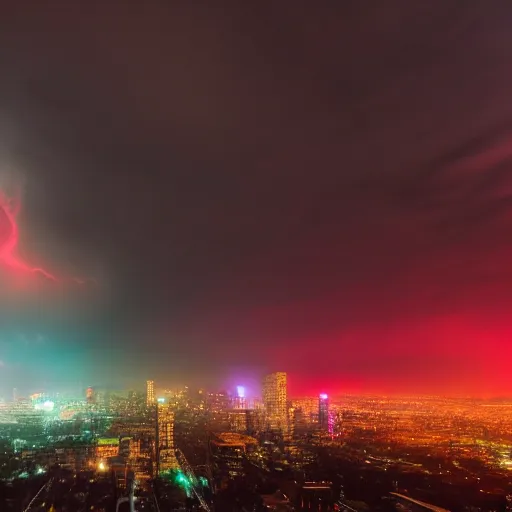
108, 441
9, 237
46, 406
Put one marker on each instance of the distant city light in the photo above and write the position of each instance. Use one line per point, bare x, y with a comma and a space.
161, 400
240, 391
46, 406
324, 396
101, 466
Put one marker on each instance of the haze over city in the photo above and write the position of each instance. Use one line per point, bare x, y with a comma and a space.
325, 192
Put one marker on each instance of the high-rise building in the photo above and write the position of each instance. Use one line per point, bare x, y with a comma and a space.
323, 412
217, 408
308, 407
90, 395
275, 401
237, 420
165, 435
240, 400
150, 392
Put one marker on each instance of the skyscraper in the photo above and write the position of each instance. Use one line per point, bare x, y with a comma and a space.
165, 436
89, 395
150, 392
240, 401
323, 412
275, 401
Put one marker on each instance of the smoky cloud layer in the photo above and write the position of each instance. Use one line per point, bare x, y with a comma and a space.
257, 180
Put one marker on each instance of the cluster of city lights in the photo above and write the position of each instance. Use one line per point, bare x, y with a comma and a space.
179, 478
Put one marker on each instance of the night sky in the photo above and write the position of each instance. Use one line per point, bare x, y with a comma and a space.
325, 191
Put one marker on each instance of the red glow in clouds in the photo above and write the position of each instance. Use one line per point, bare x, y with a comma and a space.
9, 236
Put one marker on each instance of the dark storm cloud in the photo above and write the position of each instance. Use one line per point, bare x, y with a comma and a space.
247, 176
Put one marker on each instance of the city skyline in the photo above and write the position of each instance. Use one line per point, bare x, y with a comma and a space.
188, 442
253, 392
255, 256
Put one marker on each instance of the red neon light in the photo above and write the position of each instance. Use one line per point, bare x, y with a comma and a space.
9, 237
